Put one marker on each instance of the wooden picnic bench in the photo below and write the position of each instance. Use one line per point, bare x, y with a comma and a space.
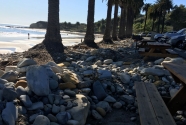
152, 109
178, 72
164, 50
143, 43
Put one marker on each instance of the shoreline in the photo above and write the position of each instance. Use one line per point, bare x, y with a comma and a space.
25, 44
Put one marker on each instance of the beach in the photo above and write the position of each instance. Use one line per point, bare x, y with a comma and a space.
16, 39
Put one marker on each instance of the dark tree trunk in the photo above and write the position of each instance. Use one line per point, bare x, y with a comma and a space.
125, 20
163, 22
107, 37
145, 21
53, 40
89, 36
129, 23
159, 21
153, 25
121, 27
115, 26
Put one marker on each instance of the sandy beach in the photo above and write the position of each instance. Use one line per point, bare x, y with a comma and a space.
13, 43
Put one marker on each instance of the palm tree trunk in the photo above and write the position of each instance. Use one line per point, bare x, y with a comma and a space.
153, 25
89, 36
131, 22
121, 27
115, 27
53, 40
107, 37
125, 20
162, 28
158, 30
128, 22
145, 21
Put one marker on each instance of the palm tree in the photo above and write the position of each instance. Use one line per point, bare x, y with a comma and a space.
115, 26
53, 40
145, 8
89, 36
133, 9
122, 27
166, 5
153, 14
107, 37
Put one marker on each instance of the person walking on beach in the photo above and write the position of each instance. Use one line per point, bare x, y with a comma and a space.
28, 36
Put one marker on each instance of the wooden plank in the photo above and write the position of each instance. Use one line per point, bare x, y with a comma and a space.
147, 115
158, 44
171, 51
177, 70
177, 101
162, 113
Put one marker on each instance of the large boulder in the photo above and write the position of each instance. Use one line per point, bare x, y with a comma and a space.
10, 114
82, 108
38, 80
26, 62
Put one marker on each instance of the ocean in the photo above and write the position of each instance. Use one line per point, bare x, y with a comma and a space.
14, 38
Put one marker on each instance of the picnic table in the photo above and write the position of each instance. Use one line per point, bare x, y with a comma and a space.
164, 50
143, 43
178, 73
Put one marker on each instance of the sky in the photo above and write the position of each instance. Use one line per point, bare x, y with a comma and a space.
25, 12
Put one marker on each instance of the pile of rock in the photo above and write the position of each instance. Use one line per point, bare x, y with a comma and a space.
72, 91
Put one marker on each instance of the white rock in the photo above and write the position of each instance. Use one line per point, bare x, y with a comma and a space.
99, 63
108, 61
82, 108
8, 68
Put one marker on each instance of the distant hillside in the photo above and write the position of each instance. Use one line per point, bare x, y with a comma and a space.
39, 24
78, 27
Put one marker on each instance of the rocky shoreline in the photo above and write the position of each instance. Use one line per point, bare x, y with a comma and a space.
90, 87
